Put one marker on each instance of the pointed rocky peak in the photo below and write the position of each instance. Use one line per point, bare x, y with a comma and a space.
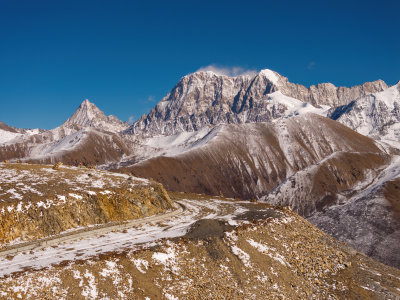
272, 76
86, 113
86, 104
89, 115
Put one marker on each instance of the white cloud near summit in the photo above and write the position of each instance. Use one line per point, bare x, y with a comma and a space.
227, 71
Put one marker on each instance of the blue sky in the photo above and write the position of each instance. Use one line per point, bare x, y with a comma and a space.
126, 55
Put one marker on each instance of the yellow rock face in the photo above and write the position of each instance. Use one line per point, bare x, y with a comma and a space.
37, 201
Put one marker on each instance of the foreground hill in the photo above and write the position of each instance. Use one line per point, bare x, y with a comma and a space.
276, 255
37, 201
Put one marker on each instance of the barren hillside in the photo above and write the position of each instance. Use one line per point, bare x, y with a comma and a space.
249, 160
37, 201
276, 255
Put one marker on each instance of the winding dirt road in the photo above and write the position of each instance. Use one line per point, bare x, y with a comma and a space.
133, 235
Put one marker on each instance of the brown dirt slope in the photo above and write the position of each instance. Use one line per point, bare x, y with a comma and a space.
5, 127
97, 147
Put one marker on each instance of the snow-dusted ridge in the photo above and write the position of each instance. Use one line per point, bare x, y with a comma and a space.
8, 133
206, 98
87, 127
376, 115
293, 107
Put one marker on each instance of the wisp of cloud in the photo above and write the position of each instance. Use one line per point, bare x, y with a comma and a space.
228, 71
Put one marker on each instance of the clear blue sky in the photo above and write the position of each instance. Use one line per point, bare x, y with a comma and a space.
126, 55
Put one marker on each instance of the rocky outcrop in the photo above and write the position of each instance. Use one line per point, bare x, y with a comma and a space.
205, 98
329, 94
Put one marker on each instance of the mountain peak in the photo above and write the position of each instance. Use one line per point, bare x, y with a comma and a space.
270, 75
215, 96
86, 102
88, 106
89, 115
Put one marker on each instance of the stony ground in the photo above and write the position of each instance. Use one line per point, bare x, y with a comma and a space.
261, 253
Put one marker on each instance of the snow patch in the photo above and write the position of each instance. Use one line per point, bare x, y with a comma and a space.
271, 75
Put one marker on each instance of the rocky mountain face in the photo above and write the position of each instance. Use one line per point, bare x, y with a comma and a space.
9, 133
376, 115
205, 98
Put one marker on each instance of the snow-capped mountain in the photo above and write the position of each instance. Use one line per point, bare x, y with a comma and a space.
87, 136
376, 115
204, 98
89, 115
8, 133
250, 136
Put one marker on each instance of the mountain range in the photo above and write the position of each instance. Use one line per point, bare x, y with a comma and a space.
330, 153
205, 98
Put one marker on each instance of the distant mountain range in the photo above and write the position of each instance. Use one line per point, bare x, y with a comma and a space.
331, 153
205, 98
